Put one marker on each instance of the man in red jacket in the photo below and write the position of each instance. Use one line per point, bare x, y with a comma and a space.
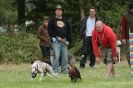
104, 37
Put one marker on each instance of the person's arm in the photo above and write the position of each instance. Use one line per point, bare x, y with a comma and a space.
69, 33
123, 28
82, 27
39, 34
113, 43
51, 28
95, 46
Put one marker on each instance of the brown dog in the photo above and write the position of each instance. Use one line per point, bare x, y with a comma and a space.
74, 74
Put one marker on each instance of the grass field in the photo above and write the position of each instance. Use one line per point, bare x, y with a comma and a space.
19, 76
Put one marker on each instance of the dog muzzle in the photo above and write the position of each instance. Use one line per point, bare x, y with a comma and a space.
34, 74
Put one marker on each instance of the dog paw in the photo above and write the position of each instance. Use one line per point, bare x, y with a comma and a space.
40, 79
32, 79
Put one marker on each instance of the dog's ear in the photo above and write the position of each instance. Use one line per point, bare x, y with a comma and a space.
32, 62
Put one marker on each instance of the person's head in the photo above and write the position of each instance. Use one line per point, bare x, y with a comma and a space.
99, 26
45, 21
58, 11
130, 7
92, 11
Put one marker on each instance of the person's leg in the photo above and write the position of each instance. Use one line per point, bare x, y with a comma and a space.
109, 69
56, 47
110, 65
60, 59
64, 59
113, 71
92, 57
84, 52
127, 52
43, 52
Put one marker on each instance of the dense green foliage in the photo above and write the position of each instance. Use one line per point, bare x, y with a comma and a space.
18, 48
8, 12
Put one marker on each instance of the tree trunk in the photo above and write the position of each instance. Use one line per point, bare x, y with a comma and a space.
82, 15
21, 11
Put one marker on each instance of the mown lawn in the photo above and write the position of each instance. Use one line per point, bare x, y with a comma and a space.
19, 76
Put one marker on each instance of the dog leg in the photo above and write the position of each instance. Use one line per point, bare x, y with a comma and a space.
51, 71
41, 77
32, 78
56, 75
49, 75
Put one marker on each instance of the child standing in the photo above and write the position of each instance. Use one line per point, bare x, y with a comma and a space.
45, 41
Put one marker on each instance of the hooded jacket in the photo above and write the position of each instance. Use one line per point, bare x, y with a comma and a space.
107, 39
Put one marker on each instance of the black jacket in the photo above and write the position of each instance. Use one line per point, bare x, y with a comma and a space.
83, 26
53, 30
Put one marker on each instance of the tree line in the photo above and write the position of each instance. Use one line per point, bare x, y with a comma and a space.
17, 11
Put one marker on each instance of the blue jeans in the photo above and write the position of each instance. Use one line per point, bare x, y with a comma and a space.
60, 52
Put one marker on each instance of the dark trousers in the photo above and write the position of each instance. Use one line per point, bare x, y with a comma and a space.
127, 52
87, 49
46, 53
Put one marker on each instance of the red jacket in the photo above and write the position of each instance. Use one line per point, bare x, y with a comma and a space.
107, 38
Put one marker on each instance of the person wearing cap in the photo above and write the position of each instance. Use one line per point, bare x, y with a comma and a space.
87, 26
45, 41
60, 33
104, 37
126, 27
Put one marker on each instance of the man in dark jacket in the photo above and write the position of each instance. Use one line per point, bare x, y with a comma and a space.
127, 27
59, 31
87, 26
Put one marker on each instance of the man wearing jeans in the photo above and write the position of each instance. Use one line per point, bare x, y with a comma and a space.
59, 31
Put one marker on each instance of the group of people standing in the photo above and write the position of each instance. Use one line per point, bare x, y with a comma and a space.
97, 35
56, 33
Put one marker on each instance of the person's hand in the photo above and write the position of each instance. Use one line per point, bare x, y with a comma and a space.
67, 43
97, 60
123, 40
54, 39
59, 39
115, 59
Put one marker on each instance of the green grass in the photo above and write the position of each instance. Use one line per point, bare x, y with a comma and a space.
19, 76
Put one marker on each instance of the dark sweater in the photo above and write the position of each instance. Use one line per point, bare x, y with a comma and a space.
60, 28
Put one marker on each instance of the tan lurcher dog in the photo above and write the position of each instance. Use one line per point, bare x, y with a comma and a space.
42, 68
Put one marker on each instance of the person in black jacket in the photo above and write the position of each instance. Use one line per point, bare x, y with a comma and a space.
87, 26
60, 33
